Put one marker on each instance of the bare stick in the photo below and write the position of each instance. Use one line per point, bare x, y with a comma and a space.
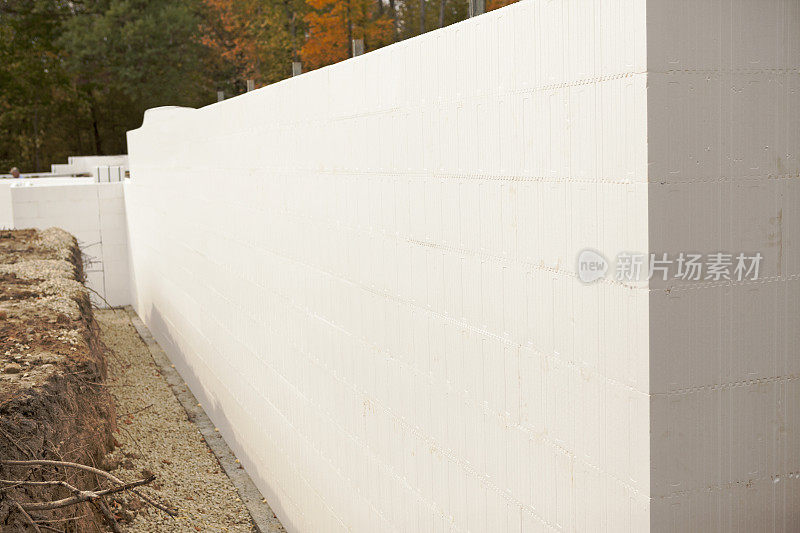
102, 298
48, 528
115, 479
28, 517
40, 520
17, 483
136, 412
84, 496
48, 462
108, 515
27, 452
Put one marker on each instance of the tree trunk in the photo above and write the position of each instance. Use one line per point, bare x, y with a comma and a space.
36, 137
78, 136
349, 28
98, 146
421, 17
393, 14
293, 33
441, 13
291, 16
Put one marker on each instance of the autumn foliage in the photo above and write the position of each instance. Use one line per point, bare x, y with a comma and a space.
253, 39
497, 4
333, 24
75, 75
227, 35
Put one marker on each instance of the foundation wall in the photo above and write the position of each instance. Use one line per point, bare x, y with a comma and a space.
723, 105
367, 274
94, 213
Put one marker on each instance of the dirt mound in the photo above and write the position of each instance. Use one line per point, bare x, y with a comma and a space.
53, 404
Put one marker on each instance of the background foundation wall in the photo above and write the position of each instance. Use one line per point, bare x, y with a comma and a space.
723, 115
6, 207
88, 164
94, 213
367, 274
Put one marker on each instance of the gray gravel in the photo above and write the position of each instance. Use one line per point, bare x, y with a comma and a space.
156, 436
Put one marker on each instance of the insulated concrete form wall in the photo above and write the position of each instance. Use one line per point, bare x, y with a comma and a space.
89, 164
95, 214
366, 273
723, 105
6, 206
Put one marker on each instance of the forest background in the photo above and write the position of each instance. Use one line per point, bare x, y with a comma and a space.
75, 75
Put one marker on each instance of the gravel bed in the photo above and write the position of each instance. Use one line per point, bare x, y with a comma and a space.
155, 436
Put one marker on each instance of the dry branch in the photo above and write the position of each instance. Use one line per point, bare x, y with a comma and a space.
20, 482
27, 517
48, 528
86, 494
108, 515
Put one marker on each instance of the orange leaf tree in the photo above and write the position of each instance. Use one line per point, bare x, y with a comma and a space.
333, 24
497, 4
253, 39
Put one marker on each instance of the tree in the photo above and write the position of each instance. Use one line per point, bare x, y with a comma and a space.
34, 87
126, 56
333, 24
419, 16
75, 75
497, 4
252, 39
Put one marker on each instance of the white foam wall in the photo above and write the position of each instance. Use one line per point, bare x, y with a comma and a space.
6, 207
89, 164
95, 214
724, 137
366, 273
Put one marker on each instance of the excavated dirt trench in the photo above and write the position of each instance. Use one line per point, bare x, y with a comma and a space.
53, 404
63, 369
